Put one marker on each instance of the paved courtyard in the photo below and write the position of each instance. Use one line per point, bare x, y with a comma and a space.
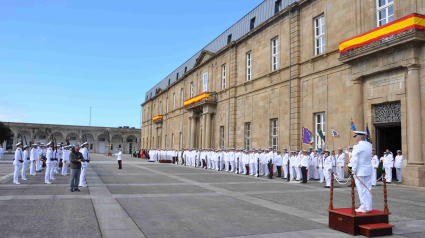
163, 200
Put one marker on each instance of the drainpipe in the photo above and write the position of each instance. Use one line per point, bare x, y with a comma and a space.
228, 110
290, 65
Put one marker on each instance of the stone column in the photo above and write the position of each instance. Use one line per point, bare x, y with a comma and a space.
358, 104
204, 131
208, 131
414, 118
95, 145
124, 144
192, 132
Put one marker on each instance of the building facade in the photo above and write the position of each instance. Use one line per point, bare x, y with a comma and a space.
316, 64
99, 138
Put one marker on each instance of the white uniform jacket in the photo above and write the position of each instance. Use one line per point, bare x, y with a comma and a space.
360, 160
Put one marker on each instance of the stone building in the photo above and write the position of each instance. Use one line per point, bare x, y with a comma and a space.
289, 64
99, 138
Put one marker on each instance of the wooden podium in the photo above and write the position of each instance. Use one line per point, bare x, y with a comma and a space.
372, 224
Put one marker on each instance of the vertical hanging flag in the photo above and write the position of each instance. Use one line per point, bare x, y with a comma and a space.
334, 133
368, 138
307, 136
321, 135
352, 125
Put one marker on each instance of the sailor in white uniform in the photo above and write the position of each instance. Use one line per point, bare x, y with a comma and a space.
328, 164
340, 163
49, 163
17, 162
398, 164
362, 170
375, 164
26, 161
84, 164
33, 158
388, 164
1, 152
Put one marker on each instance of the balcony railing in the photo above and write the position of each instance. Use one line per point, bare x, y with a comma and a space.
201, 99
383, 36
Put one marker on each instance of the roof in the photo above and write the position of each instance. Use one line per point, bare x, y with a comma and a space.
262, 13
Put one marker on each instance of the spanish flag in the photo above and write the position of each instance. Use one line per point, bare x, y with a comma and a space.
157, 117
196, 99
412, 21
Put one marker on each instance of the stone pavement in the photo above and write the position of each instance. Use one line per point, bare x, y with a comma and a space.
163, 200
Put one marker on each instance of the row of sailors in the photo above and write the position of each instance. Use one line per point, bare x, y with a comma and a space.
51, 155
318, 166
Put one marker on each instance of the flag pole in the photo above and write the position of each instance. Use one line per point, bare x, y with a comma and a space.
349, 139
333, 146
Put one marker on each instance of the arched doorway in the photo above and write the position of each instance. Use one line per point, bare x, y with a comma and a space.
41, 136
102, 143
90, 140
116, 143
58, 136
131, 143
25, 135
73, 138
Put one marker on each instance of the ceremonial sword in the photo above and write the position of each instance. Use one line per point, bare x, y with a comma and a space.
361, 182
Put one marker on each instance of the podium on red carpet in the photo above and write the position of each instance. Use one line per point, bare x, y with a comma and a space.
374, 223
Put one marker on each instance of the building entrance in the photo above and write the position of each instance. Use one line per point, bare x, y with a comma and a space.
388, 137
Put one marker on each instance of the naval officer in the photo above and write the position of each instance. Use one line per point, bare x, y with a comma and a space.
362, 169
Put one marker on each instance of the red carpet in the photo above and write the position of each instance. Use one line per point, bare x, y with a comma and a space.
348, 211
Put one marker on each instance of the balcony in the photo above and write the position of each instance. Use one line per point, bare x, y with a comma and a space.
409, 29
157, 119
200, 100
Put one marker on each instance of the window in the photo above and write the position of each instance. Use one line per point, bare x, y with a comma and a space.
223, 76
319, 33
385, 11
166, 107
181, 141
247, 136
174, 101
248, 65
320, 125
73, 138
91, 146
172, 141
42, 137
129, 140
147, 114
182, 97
112, 146
275, 54
274, 133
277, 6
160, 107
177, 76
205, 80
154, 111
185, 69
102, 139
221, 136
229, 38
169, 81
191, 89
252, 25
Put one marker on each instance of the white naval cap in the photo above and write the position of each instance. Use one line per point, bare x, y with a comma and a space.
18, 144
85, 143
398, 151
356, 133
49, 143
26, 146
34, 145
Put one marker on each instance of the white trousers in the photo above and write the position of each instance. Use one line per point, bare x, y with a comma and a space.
340, 172
1, 155
293, 174
364, 195
37, 165
232, 166
398, 171
52, 170
316, 173
83, 173
48, 170
217, 166
389, 174
32, 167
321, 175
253, 169
24, 169
18, 168
327, 174
64, 168
285, 171
299, 174
226, 165
373, 179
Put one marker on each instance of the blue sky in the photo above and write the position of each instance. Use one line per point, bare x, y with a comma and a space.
58, 58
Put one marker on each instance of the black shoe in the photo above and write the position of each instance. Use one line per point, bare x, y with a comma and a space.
389, 182
77, 190
72, 190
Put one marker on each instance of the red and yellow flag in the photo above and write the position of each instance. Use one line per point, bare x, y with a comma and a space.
157, 117
412, 21
196, 99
